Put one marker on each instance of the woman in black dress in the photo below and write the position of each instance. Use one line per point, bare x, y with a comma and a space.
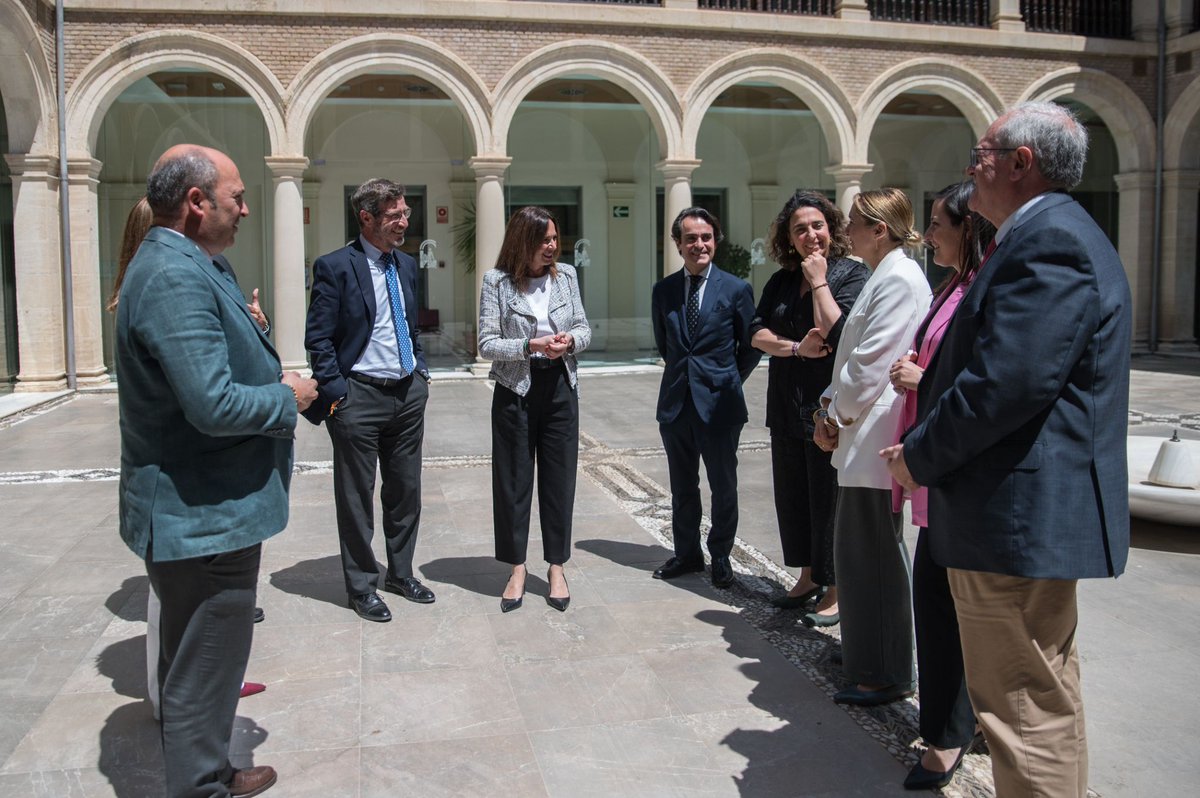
798, 323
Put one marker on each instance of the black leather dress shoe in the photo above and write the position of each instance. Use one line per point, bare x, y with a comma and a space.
873, 698
675, 567
259, 615
722, 572
920, 778
411, 588
370, 607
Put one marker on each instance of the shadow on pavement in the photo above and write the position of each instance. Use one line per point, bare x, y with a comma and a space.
320, 579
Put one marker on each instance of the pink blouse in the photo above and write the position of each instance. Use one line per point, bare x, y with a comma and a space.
941, 313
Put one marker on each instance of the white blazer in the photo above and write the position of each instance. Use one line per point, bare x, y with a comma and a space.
879, 330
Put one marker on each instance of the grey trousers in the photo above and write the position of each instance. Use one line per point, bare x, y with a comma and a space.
874, 588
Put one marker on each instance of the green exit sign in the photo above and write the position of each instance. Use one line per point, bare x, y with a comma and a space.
620, 211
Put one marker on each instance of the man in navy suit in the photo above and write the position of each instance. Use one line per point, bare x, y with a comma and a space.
1023, 448
373, 384
701, 327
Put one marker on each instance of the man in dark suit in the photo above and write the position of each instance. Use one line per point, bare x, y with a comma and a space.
373, 383
207, 420
701, 321
1023, 448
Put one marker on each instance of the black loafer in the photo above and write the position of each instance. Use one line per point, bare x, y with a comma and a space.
411, 588
676, 567
259, 615
370, 607
722, 572
920, 778
873, 698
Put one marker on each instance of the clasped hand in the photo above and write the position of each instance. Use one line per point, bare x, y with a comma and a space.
552, 346
905, 374
305, 388
813, 345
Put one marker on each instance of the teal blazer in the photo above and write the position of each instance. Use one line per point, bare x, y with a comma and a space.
206, 425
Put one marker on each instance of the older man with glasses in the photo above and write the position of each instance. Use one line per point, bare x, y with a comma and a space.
1023, 447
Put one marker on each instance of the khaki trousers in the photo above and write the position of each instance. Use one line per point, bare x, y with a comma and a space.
1022, 669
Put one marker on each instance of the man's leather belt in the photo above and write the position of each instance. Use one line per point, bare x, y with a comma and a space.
379, 382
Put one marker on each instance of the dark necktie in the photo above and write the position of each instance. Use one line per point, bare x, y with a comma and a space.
403, 339
693, 303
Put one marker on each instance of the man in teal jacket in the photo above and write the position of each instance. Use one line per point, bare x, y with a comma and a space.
207, 420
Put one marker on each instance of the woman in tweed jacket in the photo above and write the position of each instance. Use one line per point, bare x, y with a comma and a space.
531, 325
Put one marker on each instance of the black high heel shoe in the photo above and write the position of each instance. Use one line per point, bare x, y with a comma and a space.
921, 778
510, 604
559, 604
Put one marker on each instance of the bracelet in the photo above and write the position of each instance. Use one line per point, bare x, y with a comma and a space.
296, 394
527, 346
822, 285
795, 349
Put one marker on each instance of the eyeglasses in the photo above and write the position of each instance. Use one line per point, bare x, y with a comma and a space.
975, 151
397, 216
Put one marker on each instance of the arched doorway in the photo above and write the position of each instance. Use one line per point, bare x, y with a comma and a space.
1097, 192
757, 144
170, 107
408, 129
586, 149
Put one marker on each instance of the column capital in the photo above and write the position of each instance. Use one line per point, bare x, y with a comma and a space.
32, 167
286, 167
489, 167
1182, 179
620, 191
83, 169
1127, 181
848, 171
677, 168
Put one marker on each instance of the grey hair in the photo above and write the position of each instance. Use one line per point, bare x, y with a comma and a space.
169, 181
1058, 139
376, 193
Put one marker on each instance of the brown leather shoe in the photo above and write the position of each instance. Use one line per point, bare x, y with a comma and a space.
252, 781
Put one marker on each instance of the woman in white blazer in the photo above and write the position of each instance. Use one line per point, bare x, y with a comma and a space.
860, 415
531, 325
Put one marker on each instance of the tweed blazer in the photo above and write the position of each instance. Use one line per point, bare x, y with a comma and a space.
506, 321
206, 425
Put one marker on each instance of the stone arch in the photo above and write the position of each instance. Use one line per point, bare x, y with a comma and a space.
1125, 115
26, 82
622, 66
806, 79
1181, 127
372, 52
114, 70
966, 90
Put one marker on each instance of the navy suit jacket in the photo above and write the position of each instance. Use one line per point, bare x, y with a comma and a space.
1023, 446
713, 366
341, 315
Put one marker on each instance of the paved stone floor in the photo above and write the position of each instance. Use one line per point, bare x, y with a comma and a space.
640, 688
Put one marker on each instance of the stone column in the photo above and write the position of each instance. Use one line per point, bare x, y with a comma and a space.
288, 305
677, 196
1135, 210
1177, 311
847, 181
1006, 16
856, 10
83, 185
489, 221
38, 266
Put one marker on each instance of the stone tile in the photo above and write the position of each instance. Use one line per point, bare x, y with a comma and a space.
19, 716
554, 695
139, 780
299, 714
87, 577
623, 584
323, 773
288, 653
432, 643
432, 705
709, 678
660, 757
480, 766
53, 616
77, 665
536, 633
65, 736
19, 570
681, 623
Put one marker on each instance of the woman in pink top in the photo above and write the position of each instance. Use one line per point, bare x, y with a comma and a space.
958, 238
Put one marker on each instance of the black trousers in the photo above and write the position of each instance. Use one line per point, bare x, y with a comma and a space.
806, 487
947, 720
688, 440
539, 430
206, 627
381, 427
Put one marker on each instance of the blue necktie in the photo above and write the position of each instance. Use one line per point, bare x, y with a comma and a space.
398, 320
